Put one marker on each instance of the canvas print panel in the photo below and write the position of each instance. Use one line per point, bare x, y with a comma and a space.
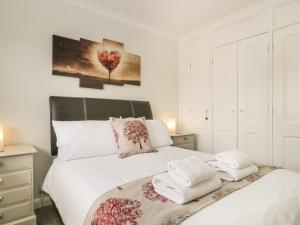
66, 57
90, 66
111, 56
99, 63
132, 69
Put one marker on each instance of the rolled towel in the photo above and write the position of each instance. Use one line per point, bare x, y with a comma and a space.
234, 159
166, 186
229, 174
190, 171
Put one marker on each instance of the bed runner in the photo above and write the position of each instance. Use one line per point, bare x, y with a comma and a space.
136, 203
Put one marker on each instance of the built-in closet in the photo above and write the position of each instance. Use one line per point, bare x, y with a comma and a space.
240, 86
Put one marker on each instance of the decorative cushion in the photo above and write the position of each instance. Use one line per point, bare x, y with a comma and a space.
132, 136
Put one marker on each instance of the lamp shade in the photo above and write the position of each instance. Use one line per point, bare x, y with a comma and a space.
1, 137
171, 123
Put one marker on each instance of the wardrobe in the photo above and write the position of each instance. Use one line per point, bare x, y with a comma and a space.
286, 97
245, 93
228, 93
240, 97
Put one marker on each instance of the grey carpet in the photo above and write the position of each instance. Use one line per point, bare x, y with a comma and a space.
47, 216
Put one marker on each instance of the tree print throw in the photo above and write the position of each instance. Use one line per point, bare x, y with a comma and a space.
137, 203
117, 211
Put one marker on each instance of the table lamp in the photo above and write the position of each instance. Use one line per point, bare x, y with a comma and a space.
171, 123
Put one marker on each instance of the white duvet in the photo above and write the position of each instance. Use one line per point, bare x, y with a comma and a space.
75, 185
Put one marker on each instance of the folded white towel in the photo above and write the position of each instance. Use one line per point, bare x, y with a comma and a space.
229, 174
166, 186
234, 159
190, 171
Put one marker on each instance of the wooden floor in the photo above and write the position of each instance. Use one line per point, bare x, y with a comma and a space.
47, 216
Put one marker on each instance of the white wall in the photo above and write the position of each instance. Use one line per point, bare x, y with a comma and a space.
26, 82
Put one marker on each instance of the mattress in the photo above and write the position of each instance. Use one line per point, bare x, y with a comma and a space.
75, 185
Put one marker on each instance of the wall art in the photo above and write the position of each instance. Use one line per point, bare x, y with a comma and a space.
95, 63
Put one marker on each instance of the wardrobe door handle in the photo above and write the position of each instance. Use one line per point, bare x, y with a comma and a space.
206, 114
241, 110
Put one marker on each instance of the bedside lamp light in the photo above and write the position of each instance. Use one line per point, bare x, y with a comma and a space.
171, 123
1, 137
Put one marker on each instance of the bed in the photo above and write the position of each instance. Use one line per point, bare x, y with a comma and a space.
74, 185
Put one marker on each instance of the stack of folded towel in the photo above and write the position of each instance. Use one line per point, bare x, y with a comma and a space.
186, 180
233, 165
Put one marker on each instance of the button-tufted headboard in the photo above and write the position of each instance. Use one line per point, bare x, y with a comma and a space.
74, 109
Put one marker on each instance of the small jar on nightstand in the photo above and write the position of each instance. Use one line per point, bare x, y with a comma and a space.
16, 185
186, 141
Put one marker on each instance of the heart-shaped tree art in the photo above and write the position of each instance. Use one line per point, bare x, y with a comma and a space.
110, 60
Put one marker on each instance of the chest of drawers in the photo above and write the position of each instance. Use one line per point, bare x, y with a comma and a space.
186, 141
16, 185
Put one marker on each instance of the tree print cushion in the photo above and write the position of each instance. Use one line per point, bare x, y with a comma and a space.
132, 136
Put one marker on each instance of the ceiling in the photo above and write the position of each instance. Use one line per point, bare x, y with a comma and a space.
173, 17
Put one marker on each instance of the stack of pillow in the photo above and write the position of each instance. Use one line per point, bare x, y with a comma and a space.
82, 139
233, 165
187, 179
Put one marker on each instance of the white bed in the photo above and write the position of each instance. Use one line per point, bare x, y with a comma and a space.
74, 186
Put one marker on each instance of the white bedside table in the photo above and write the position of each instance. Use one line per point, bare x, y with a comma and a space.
186, 141
16, 185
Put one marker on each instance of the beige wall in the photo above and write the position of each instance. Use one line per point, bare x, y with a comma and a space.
26, 81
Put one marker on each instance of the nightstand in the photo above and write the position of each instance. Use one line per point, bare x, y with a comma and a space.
186, 141
16, 185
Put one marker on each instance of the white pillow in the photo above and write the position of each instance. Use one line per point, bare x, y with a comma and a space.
159, 133
82, 139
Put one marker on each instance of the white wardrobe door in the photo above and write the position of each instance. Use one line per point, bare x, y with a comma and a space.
184, 94
224, 85
253, 119
201, 120
286, 123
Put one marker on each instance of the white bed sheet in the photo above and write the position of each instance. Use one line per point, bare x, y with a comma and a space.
75, 185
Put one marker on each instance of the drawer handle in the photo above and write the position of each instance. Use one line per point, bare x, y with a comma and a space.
1, 216
185, 138
1, 181
1, 198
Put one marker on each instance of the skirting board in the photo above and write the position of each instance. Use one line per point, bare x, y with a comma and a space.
42, 202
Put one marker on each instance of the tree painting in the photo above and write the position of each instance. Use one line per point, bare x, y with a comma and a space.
136, 132
110, 60
95, 63
117, 211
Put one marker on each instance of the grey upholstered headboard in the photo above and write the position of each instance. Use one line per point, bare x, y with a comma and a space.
74, 109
